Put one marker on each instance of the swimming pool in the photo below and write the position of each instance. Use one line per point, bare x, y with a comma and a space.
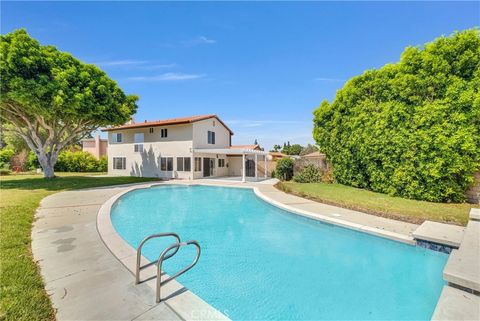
261, 262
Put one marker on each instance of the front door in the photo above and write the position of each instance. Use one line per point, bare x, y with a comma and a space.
206, 167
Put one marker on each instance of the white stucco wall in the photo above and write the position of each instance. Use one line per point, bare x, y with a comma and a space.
178, 143
200, 134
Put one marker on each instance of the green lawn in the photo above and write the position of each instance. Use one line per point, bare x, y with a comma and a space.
22, 294
380, 204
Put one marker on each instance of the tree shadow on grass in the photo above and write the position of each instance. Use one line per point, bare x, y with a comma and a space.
67, 182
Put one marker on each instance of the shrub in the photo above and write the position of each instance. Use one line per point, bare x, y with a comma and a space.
76, 161
6, 156
409, 129
284, 169
102, 164
32, 161
309, 174
5, 170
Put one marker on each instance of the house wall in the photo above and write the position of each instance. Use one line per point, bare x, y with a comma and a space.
97, 147
200, 134
217, 171
178, 143
235, 165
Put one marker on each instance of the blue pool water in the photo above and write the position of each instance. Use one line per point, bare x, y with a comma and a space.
260, 262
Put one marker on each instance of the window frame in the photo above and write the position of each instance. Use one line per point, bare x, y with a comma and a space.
221, 162
138, 148
199, 167
116, 135
164, 133
167, 163
123, 162
211, 137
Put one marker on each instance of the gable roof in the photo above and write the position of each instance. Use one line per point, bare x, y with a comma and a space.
314, 154
164, 122
252, 147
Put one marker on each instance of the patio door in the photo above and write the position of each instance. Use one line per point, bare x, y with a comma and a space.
208, 164
249, 168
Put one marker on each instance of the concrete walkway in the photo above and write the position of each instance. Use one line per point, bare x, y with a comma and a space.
85, 281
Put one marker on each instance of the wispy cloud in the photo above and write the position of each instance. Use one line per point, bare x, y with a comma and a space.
126, 62
329, 79
201, 40
169, 76
258, 123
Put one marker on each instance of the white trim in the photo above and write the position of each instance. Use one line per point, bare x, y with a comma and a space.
229, 151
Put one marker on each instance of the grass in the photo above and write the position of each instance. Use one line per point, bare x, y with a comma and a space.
380, 204
23, 296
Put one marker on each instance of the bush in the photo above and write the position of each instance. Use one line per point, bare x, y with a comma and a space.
309, 174
77, 161
5, 170
32, 161
102, 164
6, 156
284, 169
409, 129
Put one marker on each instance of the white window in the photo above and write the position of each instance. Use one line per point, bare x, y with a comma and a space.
198, 164
166, 164
221, 162
150, 130
119, 163
138, 139
164, 133
211, 137
117, 137
183, 164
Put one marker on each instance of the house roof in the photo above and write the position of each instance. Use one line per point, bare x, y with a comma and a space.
252, 147
172, 121
314, 154
279, 154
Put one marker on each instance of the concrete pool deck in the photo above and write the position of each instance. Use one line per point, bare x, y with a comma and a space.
86, 282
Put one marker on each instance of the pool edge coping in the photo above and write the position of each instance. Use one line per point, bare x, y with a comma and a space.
189, 306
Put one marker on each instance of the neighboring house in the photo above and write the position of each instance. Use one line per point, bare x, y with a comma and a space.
184, 148
316, 158
95, 146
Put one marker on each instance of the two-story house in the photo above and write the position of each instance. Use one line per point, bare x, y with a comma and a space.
183, 148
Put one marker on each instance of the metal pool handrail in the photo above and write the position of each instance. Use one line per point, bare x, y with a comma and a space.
139, 251
164, 256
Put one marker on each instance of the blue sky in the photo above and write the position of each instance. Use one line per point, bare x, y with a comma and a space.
262, 67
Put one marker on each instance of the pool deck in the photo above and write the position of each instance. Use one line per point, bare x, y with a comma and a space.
87, 282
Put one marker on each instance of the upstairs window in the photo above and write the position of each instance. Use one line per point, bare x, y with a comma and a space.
138, 146
150, 130
163, 133
211, 137
117, 137
221, 162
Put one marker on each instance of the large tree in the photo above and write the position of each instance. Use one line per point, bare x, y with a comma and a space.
51, 99
411, 128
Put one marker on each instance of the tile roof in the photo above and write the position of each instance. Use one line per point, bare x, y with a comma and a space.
245, 147
172, 121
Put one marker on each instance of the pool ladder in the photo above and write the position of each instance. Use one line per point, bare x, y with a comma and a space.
165, 256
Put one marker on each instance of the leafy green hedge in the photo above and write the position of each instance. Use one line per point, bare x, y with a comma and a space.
412, 128
73, 161
284, 169
309, 174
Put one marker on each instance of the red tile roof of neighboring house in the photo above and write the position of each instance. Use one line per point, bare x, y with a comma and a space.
172, 121
314, 154
254, 147
279, 154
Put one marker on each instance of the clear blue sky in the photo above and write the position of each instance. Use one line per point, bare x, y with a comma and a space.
263, 67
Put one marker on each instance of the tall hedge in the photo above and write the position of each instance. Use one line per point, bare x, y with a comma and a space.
411, 128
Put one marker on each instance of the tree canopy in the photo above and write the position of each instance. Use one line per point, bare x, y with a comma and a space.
411, 128
51, 98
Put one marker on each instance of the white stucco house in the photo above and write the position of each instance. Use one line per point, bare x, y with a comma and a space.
182, 148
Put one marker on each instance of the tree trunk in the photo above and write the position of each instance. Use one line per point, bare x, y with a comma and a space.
47, 162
